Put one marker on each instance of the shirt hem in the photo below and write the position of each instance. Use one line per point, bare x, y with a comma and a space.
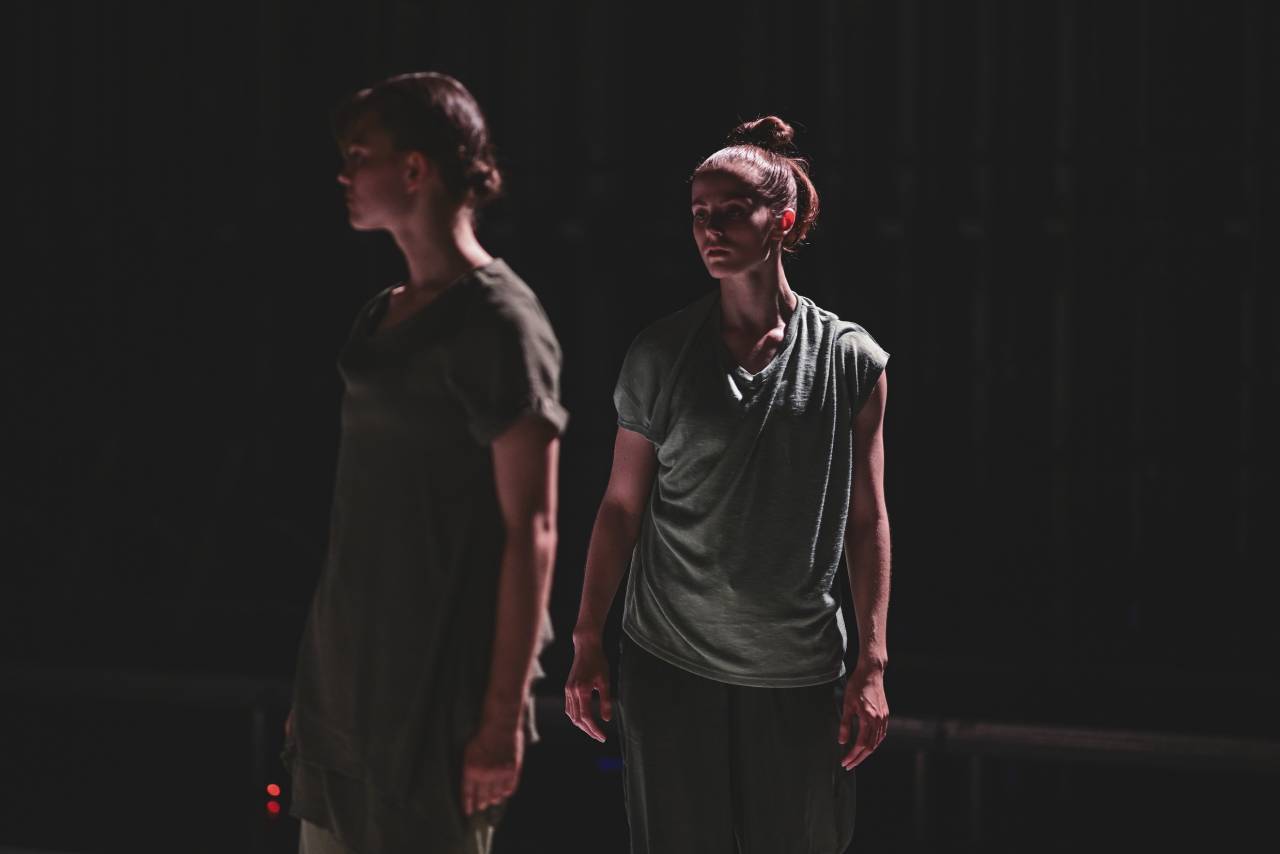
733, 678
544, 407
636, 428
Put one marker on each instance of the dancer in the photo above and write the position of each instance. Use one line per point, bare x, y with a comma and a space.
748, 455
412, 702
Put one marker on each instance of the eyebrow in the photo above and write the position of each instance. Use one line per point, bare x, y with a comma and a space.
702, 201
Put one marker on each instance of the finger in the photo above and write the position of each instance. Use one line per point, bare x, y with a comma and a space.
497, 793
585, 720
854, 757
571, 705
468, 796
492, 796
590, 726
579, 715
606, 701
861, 744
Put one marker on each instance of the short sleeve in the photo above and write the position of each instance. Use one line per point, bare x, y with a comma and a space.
509, 366
636, 394
865, 361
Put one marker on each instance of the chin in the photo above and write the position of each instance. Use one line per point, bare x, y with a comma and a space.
721, 267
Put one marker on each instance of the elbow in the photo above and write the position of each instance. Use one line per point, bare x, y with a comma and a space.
870, 524
534, 536
620, 515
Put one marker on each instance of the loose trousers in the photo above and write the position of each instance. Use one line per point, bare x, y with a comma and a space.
714, 768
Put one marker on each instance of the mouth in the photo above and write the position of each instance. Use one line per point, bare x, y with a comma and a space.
715, 251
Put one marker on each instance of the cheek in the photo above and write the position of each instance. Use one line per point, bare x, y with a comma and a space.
762, 221
380, 183
748, 232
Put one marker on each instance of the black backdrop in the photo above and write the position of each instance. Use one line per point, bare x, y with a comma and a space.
1058, 216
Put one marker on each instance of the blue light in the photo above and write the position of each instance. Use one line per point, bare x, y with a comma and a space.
608, 764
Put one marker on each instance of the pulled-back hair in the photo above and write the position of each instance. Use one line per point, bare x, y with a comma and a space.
433, 114
779, 174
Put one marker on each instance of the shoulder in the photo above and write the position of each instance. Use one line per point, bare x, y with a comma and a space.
499, 302
498, 294
847, 337
664, 338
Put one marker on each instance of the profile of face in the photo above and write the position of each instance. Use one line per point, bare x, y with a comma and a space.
733, 227
378, 180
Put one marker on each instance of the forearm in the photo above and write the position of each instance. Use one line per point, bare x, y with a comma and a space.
524, 585
867, 552
612, 538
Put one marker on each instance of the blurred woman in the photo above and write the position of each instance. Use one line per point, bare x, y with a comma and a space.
748, 456
411, 707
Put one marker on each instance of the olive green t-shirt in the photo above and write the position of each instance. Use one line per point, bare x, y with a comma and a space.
731, 576
394, 660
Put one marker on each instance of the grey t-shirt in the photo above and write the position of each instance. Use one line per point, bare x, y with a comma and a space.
394, 661
731, 576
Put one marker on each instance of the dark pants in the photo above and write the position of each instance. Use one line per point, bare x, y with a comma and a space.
713, 768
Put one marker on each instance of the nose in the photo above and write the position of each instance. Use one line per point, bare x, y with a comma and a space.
715, 224
343, 178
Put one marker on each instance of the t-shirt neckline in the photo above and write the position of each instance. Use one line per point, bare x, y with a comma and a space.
727, 360
378, 308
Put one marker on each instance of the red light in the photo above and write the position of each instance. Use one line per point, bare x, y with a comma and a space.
273, 807
273, 790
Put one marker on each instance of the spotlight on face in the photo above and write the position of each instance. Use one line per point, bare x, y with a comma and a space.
732, 226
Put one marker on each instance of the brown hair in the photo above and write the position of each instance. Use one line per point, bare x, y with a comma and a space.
433, 114
781, 175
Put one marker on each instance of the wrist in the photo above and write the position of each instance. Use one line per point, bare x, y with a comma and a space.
872, 662
500, 715
587, 635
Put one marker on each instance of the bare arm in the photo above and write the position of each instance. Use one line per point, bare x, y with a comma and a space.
612, 538
867, 554
525, 460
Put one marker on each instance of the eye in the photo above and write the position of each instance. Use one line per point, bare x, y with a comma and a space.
699, 216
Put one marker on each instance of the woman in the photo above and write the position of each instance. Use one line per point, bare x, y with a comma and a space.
411, 705
748, 456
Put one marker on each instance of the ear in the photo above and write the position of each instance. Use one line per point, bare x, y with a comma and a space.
786, 220
416, 169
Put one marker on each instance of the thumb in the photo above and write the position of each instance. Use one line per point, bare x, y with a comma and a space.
846, 718
606, 702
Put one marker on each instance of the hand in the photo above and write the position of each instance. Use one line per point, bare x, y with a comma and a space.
590, 673
864, 697
491, 764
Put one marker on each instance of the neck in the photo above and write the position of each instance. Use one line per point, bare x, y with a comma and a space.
757, 300
439, 248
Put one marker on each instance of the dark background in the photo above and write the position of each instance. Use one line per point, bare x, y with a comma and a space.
1059, 217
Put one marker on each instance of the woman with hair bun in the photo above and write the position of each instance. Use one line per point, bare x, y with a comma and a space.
748, 458
412, 701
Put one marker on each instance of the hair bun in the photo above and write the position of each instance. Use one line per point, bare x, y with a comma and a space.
768, 132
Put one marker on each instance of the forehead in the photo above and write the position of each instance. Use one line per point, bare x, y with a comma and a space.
722, 185
367, 131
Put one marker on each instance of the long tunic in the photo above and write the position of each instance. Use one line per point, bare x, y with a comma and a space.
394, 660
